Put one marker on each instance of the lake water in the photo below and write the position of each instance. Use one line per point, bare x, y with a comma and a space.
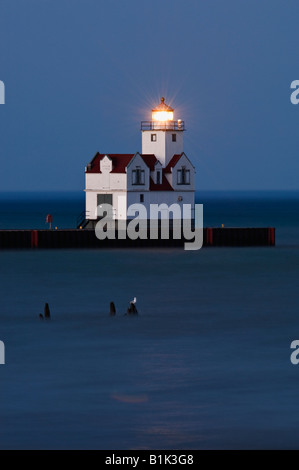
205, 365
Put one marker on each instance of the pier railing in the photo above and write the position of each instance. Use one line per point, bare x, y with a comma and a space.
163, 126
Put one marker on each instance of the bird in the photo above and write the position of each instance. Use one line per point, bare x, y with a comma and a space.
132, 309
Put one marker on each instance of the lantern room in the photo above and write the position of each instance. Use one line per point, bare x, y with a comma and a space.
163, 119
162, 112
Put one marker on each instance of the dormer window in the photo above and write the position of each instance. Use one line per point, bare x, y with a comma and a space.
183, 176
158, 177
138, 176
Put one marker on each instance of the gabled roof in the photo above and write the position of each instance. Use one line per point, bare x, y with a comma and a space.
164, 186
150, 160
172, 163
119, 162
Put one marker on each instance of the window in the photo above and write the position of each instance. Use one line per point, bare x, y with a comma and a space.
173, 137
158, 177
141, 197
153, 137
137, 176
183, 176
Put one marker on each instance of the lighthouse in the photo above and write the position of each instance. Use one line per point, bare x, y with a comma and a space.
162, 136
160, 174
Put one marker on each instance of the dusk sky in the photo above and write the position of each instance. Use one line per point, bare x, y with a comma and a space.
80, 75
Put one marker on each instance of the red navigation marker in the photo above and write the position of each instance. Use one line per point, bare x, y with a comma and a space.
49, 220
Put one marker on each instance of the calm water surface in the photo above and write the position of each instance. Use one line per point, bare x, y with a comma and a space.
205, 365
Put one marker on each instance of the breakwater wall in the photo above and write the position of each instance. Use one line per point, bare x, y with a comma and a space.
62, 239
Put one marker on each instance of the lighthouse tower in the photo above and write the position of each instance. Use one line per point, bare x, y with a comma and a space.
162, 136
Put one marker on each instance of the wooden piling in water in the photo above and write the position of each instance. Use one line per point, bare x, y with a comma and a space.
112, 309
47, 311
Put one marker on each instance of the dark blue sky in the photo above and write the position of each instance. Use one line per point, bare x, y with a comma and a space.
80, 75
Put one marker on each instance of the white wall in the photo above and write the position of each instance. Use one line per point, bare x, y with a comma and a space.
172, 177
163, 148
119, 202
173, 148
105, 167
90, 205
158, 167
161, 197
99, 181
137, 161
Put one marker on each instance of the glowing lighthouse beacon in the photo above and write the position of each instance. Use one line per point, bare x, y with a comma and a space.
162, 136
161, 174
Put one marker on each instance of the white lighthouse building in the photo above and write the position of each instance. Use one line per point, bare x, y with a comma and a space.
161, 174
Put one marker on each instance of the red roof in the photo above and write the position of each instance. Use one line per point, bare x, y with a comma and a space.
164, 186
150, 160
119, 162
172, 163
